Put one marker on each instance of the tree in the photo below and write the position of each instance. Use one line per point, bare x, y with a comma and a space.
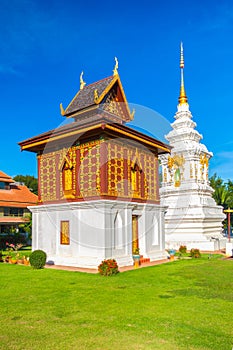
230, 190
30, 181
216, 181
223, 195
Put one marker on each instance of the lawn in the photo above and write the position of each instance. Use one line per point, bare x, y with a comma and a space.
186, 304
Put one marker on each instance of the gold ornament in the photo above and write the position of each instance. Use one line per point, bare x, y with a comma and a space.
62, 109
96, 96
115, 70
82, 82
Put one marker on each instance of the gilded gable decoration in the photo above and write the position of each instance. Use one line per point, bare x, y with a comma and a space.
96, 95
113, 105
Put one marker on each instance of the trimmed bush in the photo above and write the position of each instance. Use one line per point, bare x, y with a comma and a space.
108, 267
195, 253
38, 259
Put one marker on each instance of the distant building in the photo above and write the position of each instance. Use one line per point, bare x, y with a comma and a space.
14, 200
98, 183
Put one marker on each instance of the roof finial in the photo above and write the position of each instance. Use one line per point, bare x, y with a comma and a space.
82, 83
182, 98
62, 109
115, 70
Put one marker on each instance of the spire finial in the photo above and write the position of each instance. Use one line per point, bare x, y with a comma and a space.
82, 83
181, 55
182, 98
115, 70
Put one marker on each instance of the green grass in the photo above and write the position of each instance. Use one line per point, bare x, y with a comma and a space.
186, 304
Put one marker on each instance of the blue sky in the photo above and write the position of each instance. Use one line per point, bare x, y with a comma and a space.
46, 44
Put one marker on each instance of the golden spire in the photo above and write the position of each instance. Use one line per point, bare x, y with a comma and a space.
82, 83
182, 98
115, 70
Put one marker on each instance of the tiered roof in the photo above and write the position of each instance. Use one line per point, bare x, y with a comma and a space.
85, 97
99, 108
18, 196
5, 178
104, 95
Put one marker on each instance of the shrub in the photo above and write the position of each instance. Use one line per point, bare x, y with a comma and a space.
195, 253
108, 267
183, 249
37, 259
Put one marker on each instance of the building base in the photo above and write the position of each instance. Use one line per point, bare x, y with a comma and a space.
98, 230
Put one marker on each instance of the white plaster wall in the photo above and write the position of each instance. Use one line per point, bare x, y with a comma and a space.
92, 232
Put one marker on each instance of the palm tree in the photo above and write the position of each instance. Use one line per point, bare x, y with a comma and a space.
222, 196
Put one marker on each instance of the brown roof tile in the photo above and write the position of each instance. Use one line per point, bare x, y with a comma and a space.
85, 97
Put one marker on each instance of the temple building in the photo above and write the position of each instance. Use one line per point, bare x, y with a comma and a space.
14, 200
192, 217
98, 183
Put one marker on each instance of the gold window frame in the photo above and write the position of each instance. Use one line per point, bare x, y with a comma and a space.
65, 232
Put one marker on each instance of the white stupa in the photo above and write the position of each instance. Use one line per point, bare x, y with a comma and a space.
192, 218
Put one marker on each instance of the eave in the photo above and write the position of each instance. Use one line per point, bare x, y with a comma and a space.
72, 131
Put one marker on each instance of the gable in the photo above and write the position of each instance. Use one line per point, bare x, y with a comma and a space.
105, 95
85, 97
115, 103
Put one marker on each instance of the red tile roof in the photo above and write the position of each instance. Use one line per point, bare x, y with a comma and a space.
18, 196
5, 178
